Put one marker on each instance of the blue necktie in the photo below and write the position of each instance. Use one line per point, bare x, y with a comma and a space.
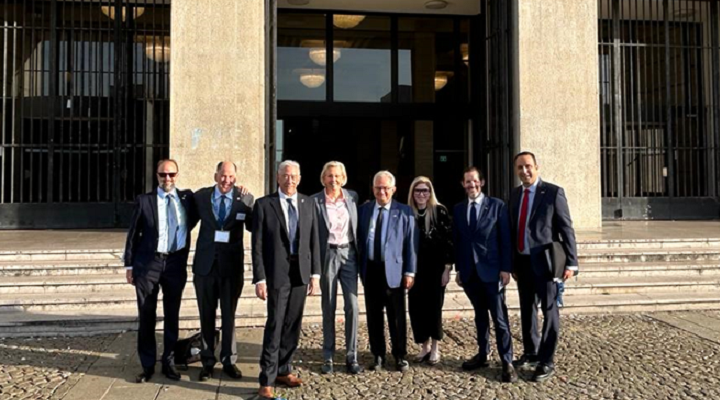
473, 216
172, 222
221, 211
292, 227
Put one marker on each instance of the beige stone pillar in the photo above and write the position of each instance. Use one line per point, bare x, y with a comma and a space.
217, 98
556, 97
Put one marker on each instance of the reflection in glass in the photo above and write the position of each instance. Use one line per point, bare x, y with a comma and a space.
363, 72
301, 57
426, 59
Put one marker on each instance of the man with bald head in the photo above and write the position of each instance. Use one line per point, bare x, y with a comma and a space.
224, 211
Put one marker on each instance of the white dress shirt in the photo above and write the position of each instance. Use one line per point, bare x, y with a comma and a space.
284, 207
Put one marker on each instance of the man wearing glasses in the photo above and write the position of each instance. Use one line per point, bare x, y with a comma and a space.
387, 241
156, 255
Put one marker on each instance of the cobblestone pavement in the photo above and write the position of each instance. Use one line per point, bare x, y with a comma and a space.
37, 368
599, 357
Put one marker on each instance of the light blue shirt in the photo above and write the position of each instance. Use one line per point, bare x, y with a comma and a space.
163, 243
383, 231
478, 206
216, 202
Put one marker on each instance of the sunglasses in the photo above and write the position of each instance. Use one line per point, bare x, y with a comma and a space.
422, 191
167, 174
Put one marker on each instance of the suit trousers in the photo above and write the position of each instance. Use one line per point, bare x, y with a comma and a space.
340, 265
379, 297
285, 306
168, 272
485, 297
211, 289
533, 289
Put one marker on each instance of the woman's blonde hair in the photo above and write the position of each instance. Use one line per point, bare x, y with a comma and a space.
333, 164
431, 209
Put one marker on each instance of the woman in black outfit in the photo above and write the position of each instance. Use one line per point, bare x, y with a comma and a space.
434, 261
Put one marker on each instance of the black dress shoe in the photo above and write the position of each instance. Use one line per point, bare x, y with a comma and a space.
377, 364
508, 373
477, 362
526, 361
205, 373
543, 372
145, 375
353, 368
170, 372
232, 371
402, 365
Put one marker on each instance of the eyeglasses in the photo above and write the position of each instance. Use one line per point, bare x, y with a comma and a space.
290, 177
423, 192
167, 174
381, 188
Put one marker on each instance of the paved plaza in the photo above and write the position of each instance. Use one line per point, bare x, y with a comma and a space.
653, 356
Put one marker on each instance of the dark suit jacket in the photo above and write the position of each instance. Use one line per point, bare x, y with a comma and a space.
271, 244
549, 221
142, 238
230, 256
401, 242
490, 239
351, 200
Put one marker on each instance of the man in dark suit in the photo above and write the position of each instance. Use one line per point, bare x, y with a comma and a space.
156, 255
286, 268
483, 256
388, 240
539, 216
218, 265
337, 223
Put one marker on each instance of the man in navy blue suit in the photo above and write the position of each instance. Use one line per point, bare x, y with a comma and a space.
387, 242
156, 257
481, 233
540, 218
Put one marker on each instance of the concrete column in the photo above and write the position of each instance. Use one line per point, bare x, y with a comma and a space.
217, 98
555, 58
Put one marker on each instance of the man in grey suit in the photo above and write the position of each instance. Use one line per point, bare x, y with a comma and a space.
337, 228
218, 265
388, 241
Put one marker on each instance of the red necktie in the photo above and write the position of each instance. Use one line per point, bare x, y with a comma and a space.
523, 220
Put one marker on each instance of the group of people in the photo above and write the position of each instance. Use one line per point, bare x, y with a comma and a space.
305, 245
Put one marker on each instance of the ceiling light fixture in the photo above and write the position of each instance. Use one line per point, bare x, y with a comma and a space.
110, 12
436, 4
441, 79
311, 78
344, 21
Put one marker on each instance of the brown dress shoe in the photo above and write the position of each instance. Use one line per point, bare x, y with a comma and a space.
289, 380
266, 392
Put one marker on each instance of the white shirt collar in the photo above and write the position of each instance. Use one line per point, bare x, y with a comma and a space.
386, 206
478, 200
283, 196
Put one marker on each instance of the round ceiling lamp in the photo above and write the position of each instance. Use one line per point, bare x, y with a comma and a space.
317, 52
436, 4
110, 12
344, 21
310, 77
158, 49
441, 79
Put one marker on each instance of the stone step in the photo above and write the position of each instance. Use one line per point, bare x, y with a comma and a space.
75, 267
691, 243
251, 313
111, 291
648, 255
642, 269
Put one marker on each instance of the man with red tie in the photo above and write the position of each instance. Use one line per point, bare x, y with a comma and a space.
540, 218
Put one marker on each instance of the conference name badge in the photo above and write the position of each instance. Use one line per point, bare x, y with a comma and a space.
222, 236
240, 217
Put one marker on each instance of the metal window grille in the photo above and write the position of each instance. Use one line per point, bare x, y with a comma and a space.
85, 103
659, 96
